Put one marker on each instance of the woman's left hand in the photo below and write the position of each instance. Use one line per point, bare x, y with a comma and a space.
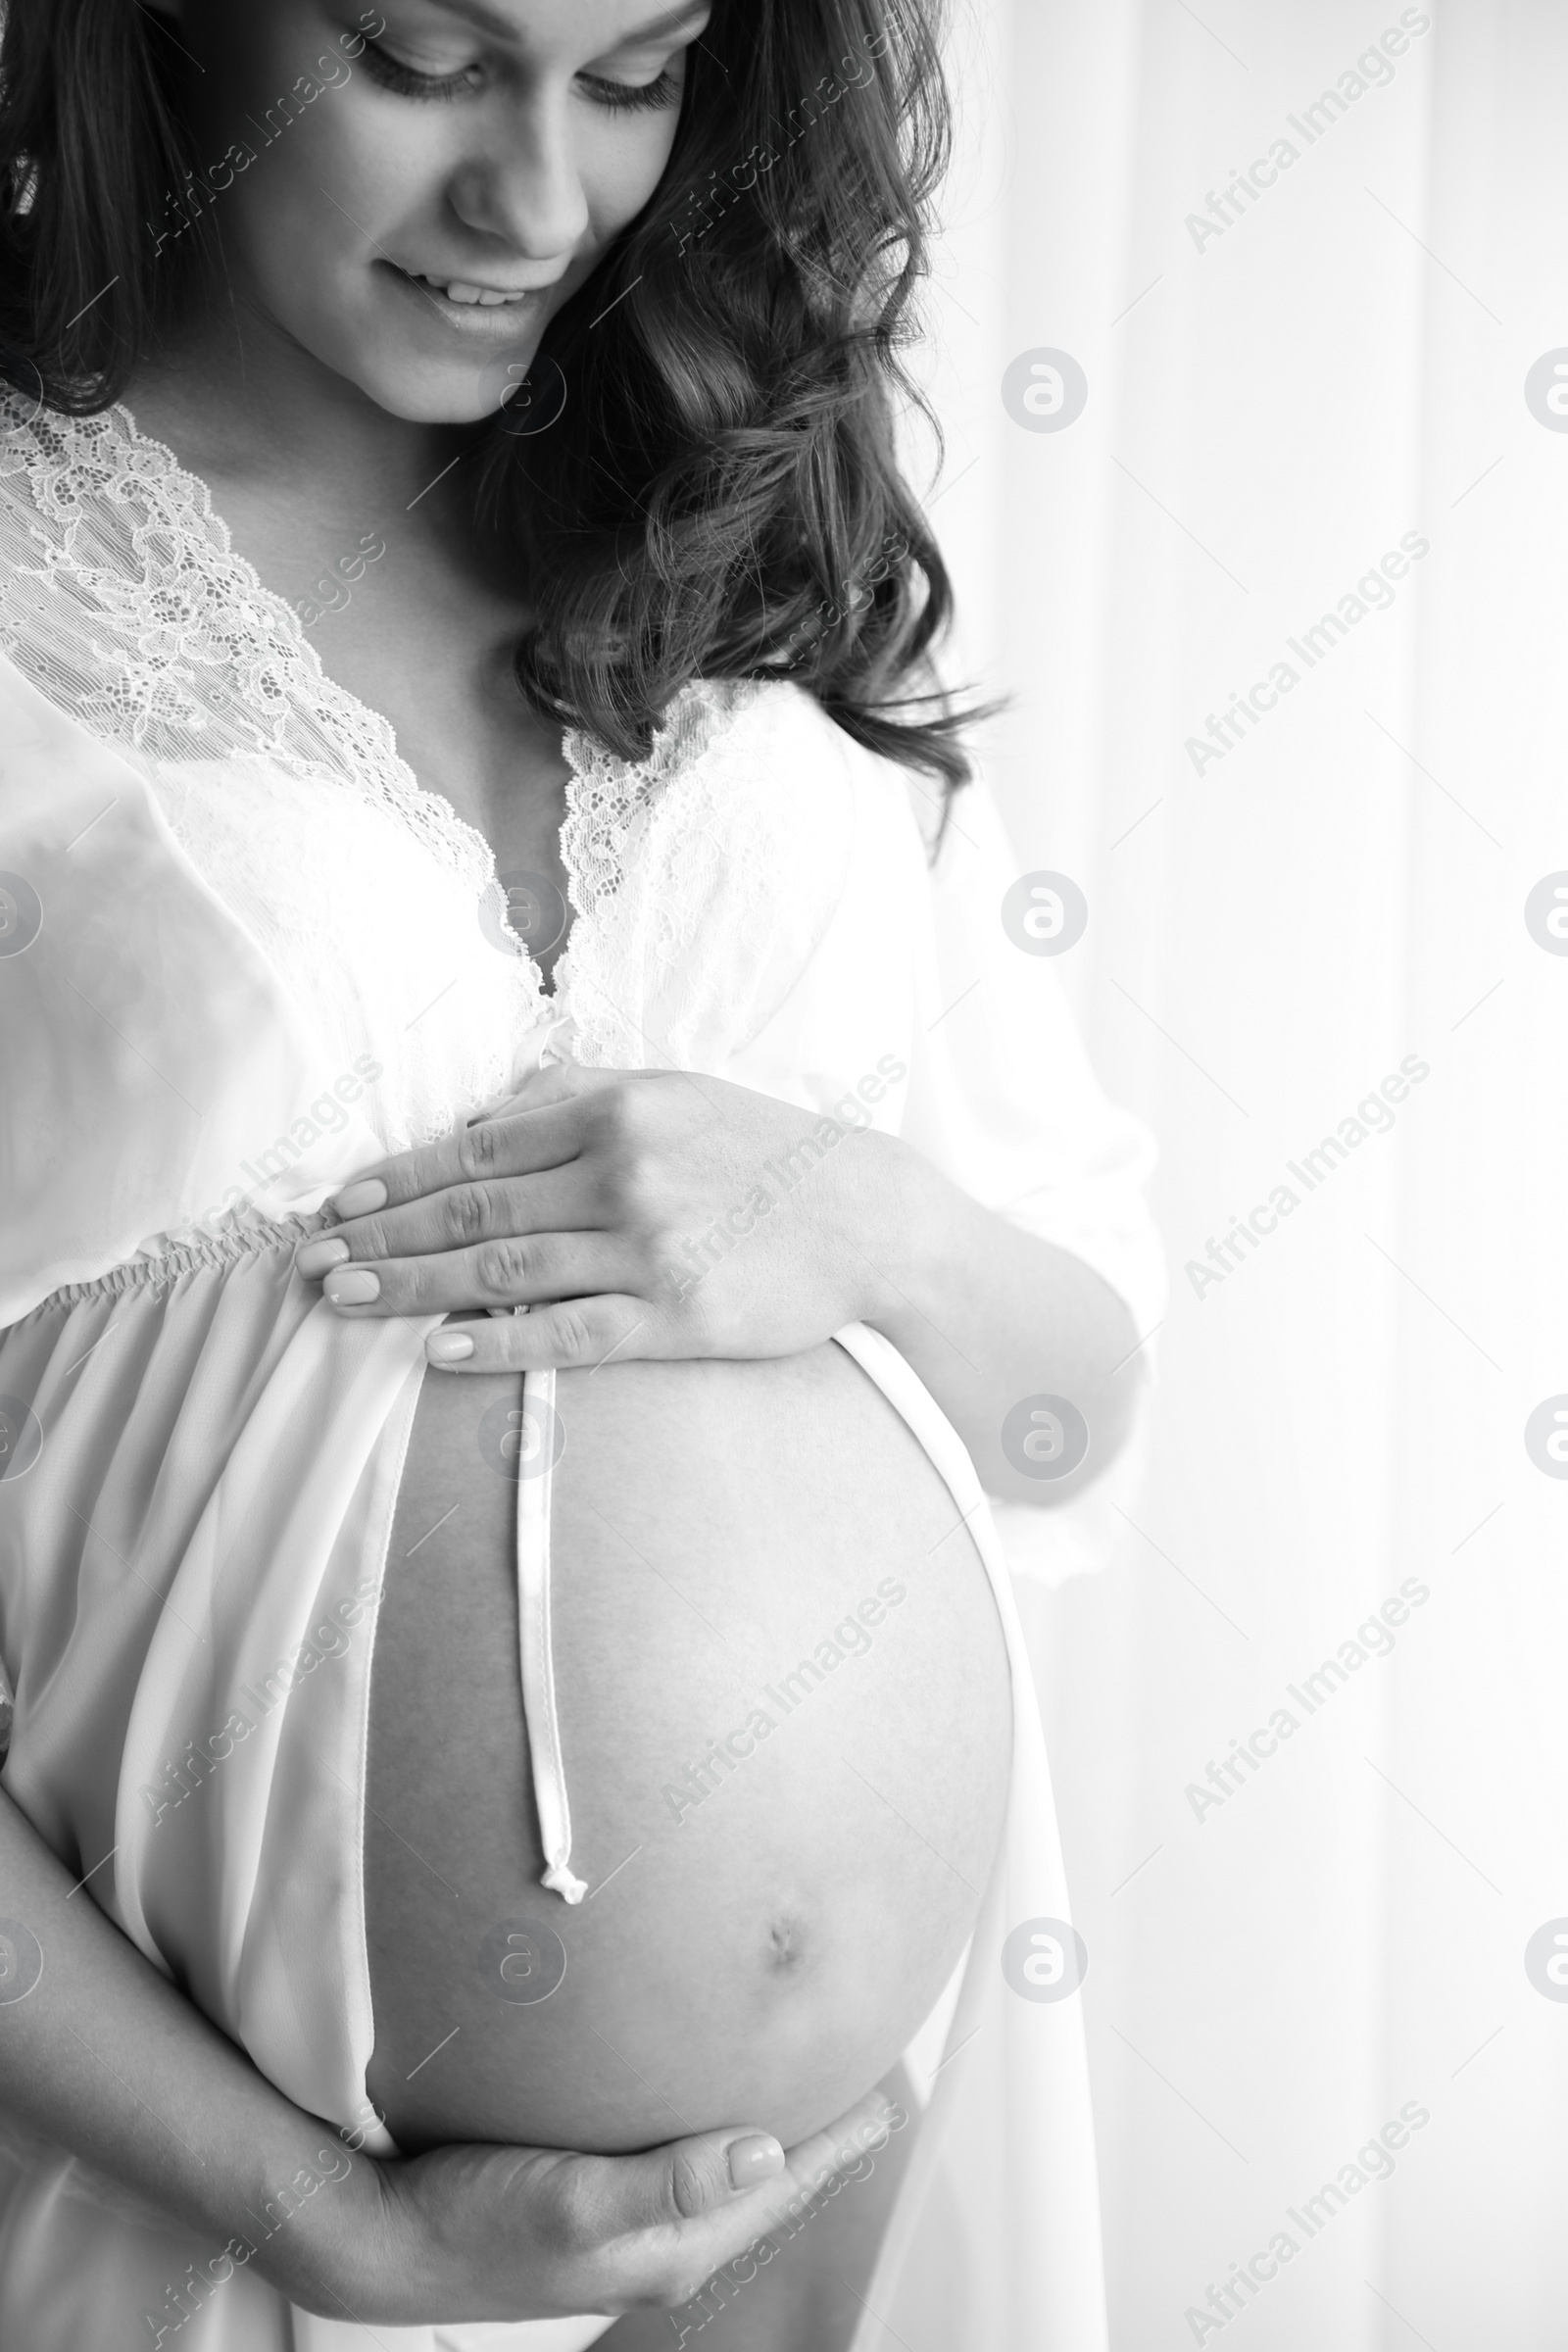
635, 1212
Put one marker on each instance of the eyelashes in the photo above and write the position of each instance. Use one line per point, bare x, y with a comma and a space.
393, 76
616, 97
623, 97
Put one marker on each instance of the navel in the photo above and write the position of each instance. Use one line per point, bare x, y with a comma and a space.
786, 1944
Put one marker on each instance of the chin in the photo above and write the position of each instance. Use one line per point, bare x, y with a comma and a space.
432, 395
426, 389
389, 360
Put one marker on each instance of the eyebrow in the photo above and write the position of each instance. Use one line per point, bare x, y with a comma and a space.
671, 19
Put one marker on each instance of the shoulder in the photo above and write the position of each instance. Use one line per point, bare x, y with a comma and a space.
783, 756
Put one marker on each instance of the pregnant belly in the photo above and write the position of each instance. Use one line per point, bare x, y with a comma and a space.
785, 1714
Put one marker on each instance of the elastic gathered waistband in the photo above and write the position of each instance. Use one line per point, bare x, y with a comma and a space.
201, 1252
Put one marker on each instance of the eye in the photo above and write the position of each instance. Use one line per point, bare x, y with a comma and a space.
393, 74
618, 96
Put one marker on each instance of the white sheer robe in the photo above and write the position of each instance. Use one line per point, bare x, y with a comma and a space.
242, 955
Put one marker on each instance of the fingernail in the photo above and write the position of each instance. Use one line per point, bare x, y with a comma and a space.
359, 1200
315, 1258
356, 1286
751, 2160
448, 1346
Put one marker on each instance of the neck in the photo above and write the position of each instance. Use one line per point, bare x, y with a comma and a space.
247, 404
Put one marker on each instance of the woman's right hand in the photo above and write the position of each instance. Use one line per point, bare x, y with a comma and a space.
103, 2056
478, 2233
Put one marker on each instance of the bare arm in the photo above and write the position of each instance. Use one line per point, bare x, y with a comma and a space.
991, 1317
102, 2056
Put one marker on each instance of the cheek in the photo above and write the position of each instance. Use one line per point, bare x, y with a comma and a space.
322, 195
345, 186
622, 160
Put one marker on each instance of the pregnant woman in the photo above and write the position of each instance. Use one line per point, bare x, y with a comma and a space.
544, 1189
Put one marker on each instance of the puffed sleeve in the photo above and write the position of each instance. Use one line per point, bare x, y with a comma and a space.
1001, 1099
149, 1054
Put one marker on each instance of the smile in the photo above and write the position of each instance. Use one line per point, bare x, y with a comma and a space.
472, 317
457, 289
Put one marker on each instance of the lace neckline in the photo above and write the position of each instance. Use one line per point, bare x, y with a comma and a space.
213, 617
189, 489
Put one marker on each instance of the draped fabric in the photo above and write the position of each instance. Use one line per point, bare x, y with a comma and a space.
1323, 393
206, 1457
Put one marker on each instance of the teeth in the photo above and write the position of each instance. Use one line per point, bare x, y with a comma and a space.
456, 290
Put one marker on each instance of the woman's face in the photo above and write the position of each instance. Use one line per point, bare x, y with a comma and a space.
410, 191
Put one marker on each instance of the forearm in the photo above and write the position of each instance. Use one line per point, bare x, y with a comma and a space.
105, 2058
990, 1316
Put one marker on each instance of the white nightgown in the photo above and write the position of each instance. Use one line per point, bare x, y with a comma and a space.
242, 955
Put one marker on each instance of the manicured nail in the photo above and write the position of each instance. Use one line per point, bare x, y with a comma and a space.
359, 1200
751, 2160
315, 1258
448, 1346
356, 1286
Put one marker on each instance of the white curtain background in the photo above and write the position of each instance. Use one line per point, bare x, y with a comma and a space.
1270, 410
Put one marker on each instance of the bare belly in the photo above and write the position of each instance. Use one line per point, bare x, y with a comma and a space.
785, 1713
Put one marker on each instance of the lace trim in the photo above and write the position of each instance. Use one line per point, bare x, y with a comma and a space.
193, 604
608, 800
608, 794
189, 605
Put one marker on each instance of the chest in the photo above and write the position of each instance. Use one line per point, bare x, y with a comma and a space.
749, 895
423, 638
466, 733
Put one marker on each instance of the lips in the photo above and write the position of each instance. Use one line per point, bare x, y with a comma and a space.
472, 318
466, 292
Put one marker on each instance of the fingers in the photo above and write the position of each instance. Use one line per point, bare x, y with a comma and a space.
554, 1199
570, 1334
845, 2144
686, 2217
516, 1271
544, 1136
653, 2226
671, 2186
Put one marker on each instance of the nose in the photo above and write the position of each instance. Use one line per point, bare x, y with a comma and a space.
525, 186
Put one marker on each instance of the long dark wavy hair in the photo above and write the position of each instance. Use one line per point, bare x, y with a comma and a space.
719, 496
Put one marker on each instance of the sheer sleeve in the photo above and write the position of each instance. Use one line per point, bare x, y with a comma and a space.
150, 1059
1002, 1099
